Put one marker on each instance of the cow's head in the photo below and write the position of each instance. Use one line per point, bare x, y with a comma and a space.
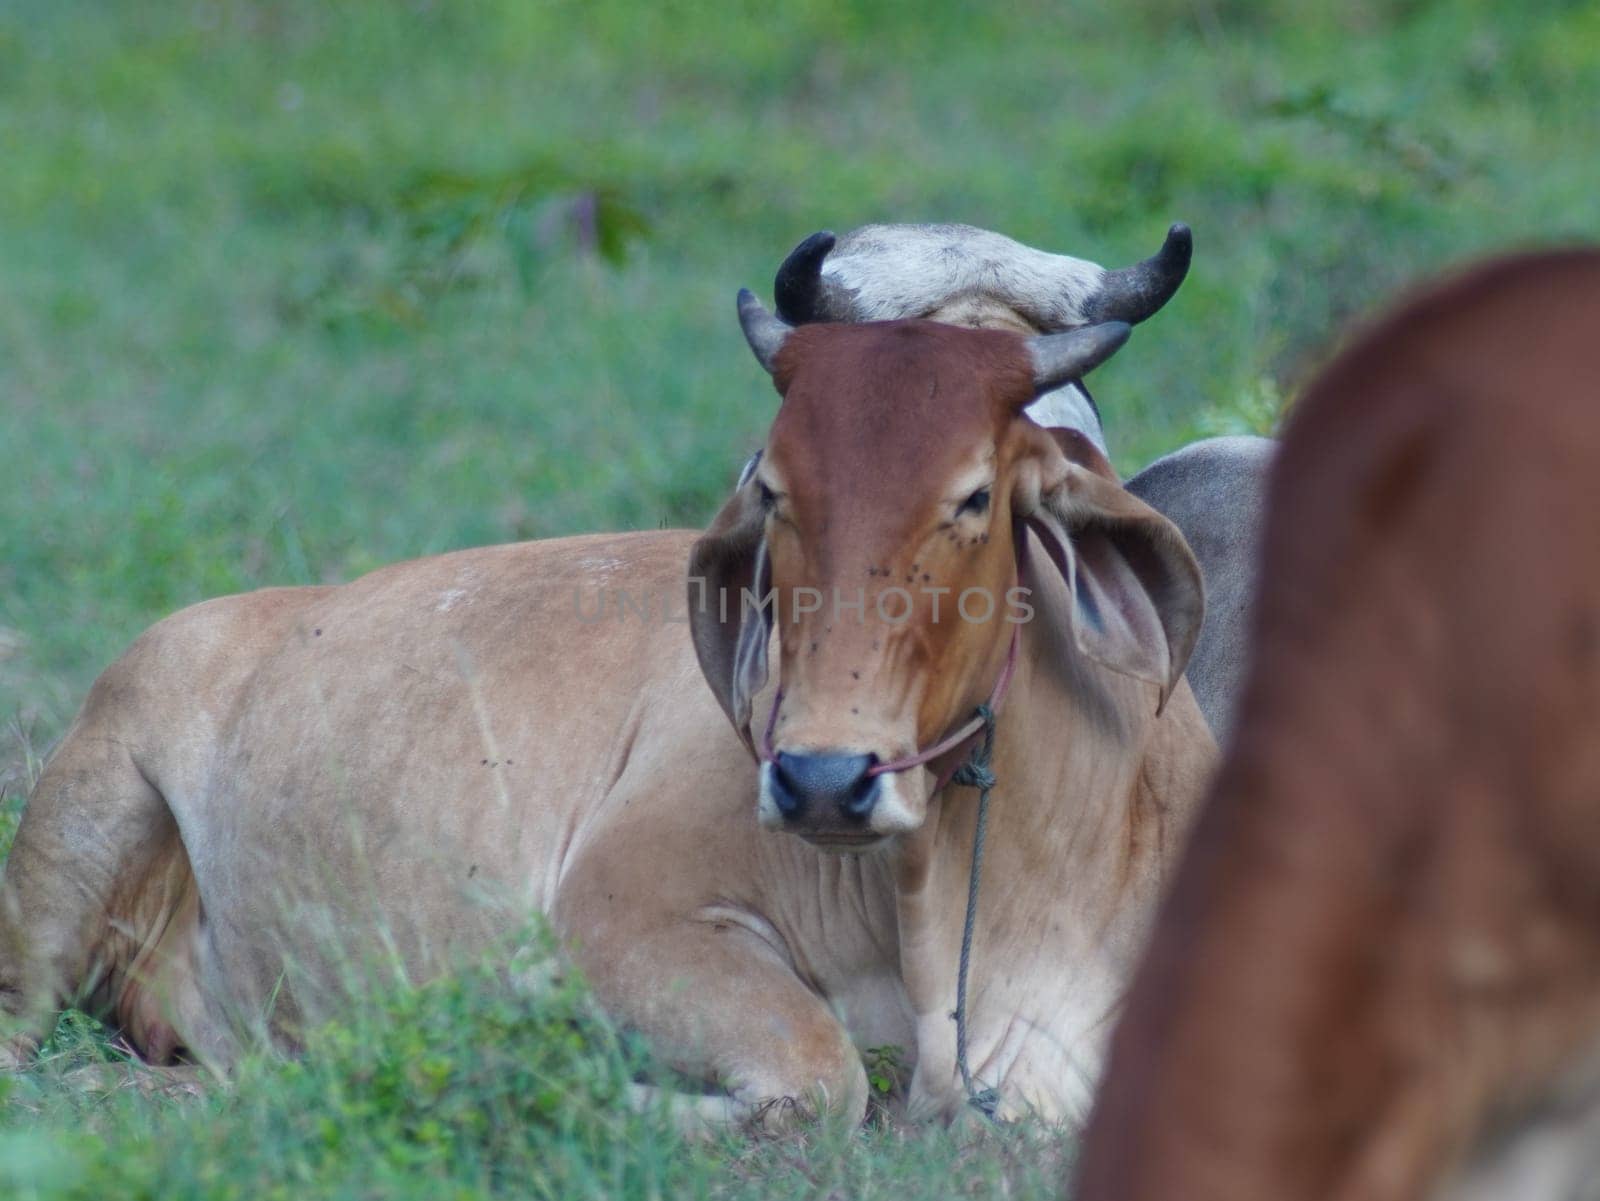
885, 517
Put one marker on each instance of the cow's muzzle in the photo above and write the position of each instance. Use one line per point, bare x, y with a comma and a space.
824, 788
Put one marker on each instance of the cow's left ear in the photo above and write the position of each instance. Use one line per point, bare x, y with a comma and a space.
729, 579
1137, 594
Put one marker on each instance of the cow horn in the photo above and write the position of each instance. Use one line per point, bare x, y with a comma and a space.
1133, 293
797, 288
762, 330
1059, 358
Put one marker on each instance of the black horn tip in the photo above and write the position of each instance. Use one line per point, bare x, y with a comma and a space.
751, 310
1178, 249
1115, 333
797, 287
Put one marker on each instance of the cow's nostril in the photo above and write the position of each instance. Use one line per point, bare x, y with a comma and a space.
858, 802
790, 801
842, 780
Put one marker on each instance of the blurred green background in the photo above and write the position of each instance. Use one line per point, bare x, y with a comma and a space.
293, 288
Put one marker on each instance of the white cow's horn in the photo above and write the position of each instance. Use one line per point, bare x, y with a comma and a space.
1133, 293
797, 288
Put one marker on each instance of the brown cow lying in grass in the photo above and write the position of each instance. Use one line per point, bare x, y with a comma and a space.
268, 785
1378, 976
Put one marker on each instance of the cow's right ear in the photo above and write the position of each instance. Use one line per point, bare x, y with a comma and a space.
729, 579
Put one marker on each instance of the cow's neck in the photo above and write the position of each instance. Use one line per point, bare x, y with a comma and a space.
1083, 821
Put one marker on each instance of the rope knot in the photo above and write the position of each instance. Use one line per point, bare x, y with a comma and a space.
974, 774
986, 1102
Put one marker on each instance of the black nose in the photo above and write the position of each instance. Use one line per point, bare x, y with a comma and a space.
802, 780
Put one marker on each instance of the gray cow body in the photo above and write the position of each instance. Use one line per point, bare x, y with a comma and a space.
1213, 490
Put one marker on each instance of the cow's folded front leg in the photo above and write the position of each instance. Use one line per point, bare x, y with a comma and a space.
718, 1009
719, 1004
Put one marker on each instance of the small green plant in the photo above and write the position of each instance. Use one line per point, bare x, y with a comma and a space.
886, 1069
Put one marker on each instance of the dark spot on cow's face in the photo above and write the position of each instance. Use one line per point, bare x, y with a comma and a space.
317, 633
472, 871
855, 675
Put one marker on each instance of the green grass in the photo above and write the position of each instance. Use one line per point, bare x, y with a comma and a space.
465, 1086
291, 289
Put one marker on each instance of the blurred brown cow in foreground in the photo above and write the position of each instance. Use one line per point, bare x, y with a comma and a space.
1378, 975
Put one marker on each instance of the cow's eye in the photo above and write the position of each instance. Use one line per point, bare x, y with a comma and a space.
767, 495
977, 503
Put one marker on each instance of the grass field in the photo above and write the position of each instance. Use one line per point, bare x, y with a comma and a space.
291, 289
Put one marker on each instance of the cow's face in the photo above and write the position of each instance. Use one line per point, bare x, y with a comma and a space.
887, 482
883, 521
